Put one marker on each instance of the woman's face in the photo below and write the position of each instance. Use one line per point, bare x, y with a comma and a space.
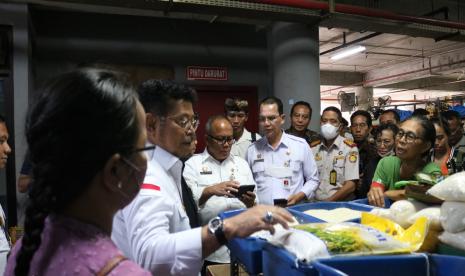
442, 140
410, 144
385, 142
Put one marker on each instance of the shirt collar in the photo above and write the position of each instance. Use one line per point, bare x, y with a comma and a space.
166, 160
207, 157
284, 140
337, 143
246, 136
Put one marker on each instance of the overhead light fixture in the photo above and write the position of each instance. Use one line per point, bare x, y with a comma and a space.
348, 52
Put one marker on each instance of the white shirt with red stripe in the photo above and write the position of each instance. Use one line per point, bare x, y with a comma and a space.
201, 171
154, 229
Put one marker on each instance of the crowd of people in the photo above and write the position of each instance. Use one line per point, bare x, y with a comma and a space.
118, 189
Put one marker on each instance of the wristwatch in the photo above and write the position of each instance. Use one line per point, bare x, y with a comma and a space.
215, 227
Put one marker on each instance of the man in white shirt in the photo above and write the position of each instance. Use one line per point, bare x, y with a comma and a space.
282, 165
5, 150
208, 173
237, 112
153, 230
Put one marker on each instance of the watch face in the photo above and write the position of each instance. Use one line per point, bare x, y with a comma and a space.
214, 224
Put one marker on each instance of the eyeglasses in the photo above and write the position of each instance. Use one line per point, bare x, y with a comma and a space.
383, 142
222, 140
271, 119
149, 148
185, 122
233, 114
410, 137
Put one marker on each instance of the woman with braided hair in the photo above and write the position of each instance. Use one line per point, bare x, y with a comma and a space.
86, 137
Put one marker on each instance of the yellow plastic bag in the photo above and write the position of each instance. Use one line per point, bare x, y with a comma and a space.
414, 235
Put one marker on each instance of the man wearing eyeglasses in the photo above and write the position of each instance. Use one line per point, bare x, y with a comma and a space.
301, 115
237, 112
153, 230
282, 165
215, 175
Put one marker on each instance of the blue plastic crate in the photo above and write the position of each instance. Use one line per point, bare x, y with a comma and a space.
278, 261
332, 205
248, 251
364, 201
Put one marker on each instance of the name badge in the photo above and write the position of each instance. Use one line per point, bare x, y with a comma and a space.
287, 183
259, 160
206, 172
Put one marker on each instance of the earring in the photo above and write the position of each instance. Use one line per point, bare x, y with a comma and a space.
119, 185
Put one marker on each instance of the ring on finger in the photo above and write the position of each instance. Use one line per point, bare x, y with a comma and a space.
268, 218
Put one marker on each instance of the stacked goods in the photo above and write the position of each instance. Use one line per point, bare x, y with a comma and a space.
375, 235
452, 214
406, 212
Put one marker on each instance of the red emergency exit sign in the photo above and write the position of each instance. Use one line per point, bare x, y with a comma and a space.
207, 73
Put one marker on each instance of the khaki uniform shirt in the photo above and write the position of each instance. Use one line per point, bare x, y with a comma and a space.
342, 157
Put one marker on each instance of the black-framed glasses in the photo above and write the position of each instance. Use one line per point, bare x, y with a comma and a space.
223, 140
186, 122
410, 137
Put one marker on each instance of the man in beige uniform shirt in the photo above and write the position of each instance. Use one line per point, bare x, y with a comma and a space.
336, 158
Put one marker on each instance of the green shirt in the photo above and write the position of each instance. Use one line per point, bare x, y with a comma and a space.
388, 171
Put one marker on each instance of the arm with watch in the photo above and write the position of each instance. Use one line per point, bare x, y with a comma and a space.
218, 231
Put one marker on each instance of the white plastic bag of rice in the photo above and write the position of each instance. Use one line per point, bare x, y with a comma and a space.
453, 216
456, 240
402, 210
450, 189
433, 215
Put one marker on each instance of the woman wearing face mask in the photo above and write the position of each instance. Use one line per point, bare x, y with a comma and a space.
442, 154
86, 137
385, 139
337, 160
414, 140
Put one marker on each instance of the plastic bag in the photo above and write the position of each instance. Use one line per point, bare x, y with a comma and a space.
432, 214
450, 189
453, 216
402, 210
456, 240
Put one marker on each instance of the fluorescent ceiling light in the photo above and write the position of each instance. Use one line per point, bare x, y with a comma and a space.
348, 52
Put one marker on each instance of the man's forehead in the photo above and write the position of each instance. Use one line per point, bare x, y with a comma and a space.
268, 108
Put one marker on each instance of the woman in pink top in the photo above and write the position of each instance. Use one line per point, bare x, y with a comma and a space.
86, 137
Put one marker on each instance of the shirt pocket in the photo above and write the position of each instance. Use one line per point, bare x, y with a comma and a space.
258, 171
297, 171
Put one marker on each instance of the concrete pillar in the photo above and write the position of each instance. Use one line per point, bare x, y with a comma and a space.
295, 66
364, 97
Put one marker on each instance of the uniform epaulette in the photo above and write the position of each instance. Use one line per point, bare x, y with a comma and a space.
315, 143
350, 143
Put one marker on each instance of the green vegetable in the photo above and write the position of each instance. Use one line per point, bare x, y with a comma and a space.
336, 241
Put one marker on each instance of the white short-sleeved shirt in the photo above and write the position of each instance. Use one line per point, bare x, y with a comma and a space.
153, 230
286, 170
239, 148
201, 171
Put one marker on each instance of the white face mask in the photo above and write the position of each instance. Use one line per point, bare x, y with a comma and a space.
329, 131
389, 153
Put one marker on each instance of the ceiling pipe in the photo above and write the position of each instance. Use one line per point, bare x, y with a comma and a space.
362, 11
363, 83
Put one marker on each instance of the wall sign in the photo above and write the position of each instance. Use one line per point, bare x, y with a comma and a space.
207, 73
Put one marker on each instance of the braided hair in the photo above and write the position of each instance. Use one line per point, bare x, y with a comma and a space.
77, 123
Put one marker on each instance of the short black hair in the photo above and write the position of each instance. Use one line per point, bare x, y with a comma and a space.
392, 127
451, 114
420, 112
338, 112
394, 112
236, 104
442, 122
304, 103
363, 113
158, 96
2, 119
273, 100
